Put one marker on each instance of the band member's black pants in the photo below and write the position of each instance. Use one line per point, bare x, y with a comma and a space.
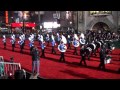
23, 44
81, 45
94, 52
43, 53
53, 49
75, 51
83, 60
69, 46
102, 64
21, 48
58, 42
88, 55
4, 45
47, 43
62, 57
31, 49
13, 46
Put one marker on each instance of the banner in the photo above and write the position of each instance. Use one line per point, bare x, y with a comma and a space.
6, 16
21, 25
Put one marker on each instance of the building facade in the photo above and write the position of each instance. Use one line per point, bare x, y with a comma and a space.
95, 20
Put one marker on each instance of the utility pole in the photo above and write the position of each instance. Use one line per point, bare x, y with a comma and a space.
117, 20
77, 20
39, 21
39, 17
23, 22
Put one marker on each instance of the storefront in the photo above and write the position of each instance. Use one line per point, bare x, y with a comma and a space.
18, 27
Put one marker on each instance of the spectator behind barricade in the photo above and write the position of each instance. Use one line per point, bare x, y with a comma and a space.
11, 67
20, 74
35, 61
1, 66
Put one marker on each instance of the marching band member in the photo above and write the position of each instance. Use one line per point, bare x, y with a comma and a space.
43, 48
93, 50
53, 46
82, 40
63, 38
40, 38
75, 42
47, 39
13, 41
31, 46
31, 43
21, 42
83, 55
98, 45
102, 54
4, 41
109, 47
58, 38
61, 47
69, 42
88, 51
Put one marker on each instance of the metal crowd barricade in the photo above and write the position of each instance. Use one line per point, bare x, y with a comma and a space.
10, 68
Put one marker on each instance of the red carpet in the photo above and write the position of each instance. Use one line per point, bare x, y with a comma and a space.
51, 68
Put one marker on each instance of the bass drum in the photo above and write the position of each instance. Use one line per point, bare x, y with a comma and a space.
92, 46
98, 44
102, 42
88, 50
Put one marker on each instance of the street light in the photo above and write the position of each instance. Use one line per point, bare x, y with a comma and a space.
70, 22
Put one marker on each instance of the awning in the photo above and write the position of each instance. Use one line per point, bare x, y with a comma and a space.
14, 25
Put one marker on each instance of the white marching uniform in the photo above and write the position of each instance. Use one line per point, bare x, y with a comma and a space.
47, 38
75, 37
4, 39
21, 41
82, 39
40, 38
64, 39
62, 47
75, 41
12, 39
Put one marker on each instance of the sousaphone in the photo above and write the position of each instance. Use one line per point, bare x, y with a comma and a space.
62, 50
75, 45
82, 41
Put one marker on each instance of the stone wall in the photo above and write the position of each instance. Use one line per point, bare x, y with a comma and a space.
110, 20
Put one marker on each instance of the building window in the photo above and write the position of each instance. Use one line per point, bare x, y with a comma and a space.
92, 13
68, 14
